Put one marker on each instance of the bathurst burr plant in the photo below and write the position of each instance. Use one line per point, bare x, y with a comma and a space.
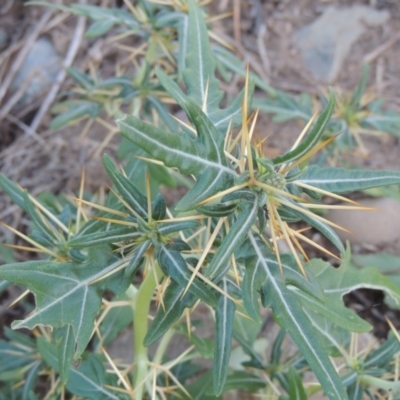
218, 246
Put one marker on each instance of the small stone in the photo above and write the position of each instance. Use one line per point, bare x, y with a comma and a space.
379, 227
325, 43
40, 67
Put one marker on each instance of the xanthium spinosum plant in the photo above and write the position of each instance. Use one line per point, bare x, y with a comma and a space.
218, 247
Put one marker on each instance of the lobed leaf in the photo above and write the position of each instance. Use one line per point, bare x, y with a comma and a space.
65, 293
291, 316
336, 282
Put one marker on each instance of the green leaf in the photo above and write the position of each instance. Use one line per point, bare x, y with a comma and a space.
313, 137
129, 192
99, 28
204, 158
322, 227
175, 266
291, 316
89, 380
77, 110
360, 89
117, 319
296, 390
217, 210
174, 150
137, 258
337, 282
334, 337
65, 293
384, 354
339, 180
199, 74
42, 227
16, 194
30, 380
223, 341
254, 278
291, 273
387, 264
66, 350
117, 235
14, 358
168, 314
166, 228
220, 263
82, 79
241, 380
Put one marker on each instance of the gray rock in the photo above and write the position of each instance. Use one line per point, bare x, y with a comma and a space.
40, 67
325, 43
3, 39
380, 227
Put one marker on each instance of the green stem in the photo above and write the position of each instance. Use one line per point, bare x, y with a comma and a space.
141, 300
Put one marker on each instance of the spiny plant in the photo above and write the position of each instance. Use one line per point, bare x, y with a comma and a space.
160, 34
357, 113
219, 247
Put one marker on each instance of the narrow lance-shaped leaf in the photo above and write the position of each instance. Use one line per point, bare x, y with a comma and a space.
296, 388
175, 265
129, 192
313, 137
220, 263
223, 340
325, 229
340, 180
202, 86
291, 316
43, 228
16, 193
166, 228
117, 235
254, 278
137, 258
66, 350
242, 380
168, 314
30, 379
384, 354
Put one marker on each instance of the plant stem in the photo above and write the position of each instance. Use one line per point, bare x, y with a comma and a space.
141, 300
